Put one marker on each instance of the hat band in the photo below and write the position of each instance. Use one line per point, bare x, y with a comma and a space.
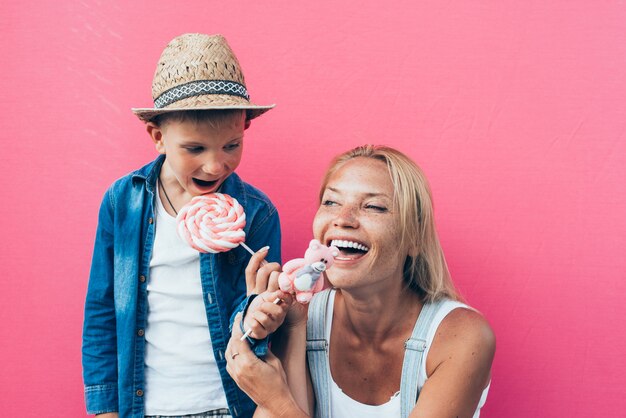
198, 88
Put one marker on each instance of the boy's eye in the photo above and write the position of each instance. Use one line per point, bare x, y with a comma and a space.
194, 150
232, 147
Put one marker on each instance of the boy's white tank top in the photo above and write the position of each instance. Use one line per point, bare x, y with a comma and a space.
181, 374
343, 406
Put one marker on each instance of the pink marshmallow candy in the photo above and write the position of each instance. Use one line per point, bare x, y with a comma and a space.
212, 223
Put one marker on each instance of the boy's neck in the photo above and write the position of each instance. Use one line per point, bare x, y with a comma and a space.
173, 196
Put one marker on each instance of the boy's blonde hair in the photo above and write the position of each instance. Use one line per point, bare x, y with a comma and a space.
425, 268
216, 118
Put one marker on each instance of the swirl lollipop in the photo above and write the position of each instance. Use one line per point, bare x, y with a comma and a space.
213, 223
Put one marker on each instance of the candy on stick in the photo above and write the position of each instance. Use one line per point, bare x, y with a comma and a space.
302, 276
213, 223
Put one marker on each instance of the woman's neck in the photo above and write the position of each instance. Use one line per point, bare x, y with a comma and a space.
377, 316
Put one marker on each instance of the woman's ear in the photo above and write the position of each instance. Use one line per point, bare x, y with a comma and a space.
156, 134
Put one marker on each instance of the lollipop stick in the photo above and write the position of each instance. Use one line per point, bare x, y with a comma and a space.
244, 336
243, 244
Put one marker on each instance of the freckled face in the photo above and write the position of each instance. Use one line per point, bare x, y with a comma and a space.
357, 214
200, 156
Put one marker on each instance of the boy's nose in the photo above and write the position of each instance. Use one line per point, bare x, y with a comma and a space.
213, 166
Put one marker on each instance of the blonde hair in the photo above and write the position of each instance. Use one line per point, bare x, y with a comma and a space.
425, 268
216, 118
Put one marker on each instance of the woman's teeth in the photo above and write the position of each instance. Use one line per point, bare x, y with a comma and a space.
341, 244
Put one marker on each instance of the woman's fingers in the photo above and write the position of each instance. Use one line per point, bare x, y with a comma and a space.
266, 313
272, 284
253, 267
263, 276
236, 347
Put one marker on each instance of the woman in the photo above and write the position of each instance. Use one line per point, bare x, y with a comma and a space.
375, 205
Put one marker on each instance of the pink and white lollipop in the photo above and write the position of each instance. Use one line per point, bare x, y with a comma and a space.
213, 223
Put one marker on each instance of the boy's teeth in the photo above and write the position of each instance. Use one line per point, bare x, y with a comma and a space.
349, 244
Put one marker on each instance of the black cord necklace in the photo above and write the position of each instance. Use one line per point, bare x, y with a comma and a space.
168, 198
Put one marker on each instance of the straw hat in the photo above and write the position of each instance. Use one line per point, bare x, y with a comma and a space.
196, 72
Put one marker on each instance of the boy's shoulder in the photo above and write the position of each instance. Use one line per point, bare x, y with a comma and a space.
246, 193
253, 199
137, 178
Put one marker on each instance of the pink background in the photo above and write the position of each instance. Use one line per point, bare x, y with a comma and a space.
515, 109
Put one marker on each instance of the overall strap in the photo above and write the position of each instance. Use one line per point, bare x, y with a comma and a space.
317, 353
414, 355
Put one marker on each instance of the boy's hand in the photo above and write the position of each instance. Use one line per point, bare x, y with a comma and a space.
264, 316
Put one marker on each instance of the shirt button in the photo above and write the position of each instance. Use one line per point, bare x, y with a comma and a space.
142, 278
139, 392
150, 220
140, 333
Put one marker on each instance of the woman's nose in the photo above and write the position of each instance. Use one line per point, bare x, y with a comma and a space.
346, 217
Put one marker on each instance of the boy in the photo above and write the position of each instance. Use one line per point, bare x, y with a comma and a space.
157, 312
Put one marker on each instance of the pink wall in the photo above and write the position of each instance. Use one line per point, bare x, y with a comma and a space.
516, 111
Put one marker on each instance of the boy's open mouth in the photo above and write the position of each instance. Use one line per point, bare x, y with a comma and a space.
204, 183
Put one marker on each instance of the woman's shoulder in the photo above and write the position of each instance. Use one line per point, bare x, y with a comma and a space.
463, 334
466, 323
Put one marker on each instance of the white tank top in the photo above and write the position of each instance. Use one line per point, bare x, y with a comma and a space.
181, 374
343, 406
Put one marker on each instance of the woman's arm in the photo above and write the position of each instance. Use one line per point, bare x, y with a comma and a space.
289, 345
459, 366
264, 381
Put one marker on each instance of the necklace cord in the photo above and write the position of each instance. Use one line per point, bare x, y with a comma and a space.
168, 198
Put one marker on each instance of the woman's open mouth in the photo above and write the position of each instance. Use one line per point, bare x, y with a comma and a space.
349, 250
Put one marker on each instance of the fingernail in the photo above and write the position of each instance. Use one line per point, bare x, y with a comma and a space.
267, 247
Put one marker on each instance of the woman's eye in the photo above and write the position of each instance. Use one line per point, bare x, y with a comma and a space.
328, 203
376, 208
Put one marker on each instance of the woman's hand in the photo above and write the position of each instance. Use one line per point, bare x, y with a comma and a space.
268, 310
262, 278
266, 313
265, 382
258, 273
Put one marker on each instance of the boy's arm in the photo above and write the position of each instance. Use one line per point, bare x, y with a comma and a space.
99, 352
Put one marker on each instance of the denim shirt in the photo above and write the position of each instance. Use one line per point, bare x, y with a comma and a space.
116, 304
